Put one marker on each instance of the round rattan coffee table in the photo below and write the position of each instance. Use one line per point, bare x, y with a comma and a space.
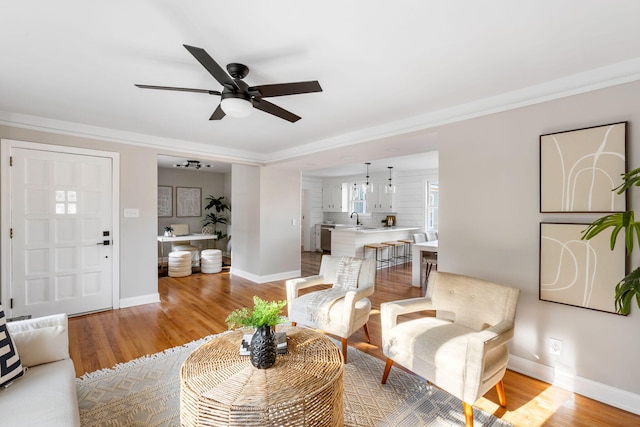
304, 388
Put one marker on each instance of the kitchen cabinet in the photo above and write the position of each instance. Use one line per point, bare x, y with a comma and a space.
334, 198
379, 201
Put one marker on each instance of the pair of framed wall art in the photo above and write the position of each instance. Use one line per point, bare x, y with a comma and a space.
578, 170
188, 201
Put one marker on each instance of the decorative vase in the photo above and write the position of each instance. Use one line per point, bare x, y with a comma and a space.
263, 348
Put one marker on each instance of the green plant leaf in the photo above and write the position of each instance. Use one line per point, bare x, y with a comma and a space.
629, 179
626, 290
218, 203
264, 313
619, 221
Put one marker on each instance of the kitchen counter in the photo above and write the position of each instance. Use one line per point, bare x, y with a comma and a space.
365, 229
350, 241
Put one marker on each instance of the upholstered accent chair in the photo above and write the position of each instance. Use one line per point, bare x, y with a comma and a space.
463, 349
339, 310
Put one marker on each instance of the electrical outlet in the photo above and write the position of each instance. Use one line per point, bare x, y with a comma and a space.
555, 346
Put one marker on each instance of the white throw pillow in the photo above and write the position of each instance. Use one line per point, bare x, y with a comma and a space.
43, 345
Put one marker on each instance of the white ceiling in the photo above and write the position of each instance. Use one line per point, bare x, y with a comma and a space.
390, 71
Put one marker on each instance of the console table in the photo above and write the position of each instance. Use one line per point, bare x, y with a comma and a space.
305, 387
165, 239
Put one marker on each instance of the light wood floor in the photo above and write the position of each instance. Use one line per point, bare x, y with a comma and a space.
196, 306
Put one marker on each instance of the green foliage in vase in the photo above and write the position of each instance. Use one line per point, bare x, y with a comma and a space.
264, 313
629, 286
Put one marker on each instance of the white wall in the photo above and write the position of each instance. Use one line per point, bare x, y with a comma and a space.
489, 227
266, 243
245, 217
280, 223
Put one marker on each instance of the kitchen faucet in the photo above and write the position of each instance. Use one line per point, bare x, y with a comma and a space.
357, 218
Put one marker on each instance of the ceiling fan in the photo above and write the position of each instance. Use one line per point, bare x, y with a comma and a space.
238, 99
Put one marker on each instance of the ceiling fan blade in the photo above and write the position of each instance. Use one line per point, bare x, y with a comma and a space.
180, 89
270, 108
212, 67
283, 89
218, 114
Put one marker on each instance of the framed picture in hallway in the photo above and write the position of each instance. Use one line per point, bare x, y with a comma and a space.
165, 201
188, 201
580, 168
577, 272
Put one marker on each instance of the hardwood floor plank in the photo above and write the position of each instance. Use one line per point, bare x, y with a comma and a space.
196, 306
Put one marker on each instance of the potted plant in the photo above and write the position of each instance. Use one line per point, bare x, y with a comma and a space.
168, 231
264, 317
217, 217
629, 286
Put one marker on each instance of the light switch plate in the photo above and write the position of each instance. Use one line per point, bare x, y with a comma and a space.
131, 213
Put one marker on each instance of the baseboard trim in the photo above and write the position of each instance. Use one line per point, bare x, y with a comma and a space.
604, 393
265, 279
140, 300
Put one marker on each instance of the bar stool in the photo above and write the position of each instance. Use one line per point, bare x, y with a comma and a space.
407, 249
379, 249
394, 247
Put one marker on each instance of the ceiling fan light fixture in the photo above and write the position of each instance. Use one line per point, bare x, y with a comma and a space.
236, 107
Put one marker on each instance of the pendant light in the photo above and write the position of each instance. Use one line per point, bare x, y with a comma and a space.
390, 188
367, 187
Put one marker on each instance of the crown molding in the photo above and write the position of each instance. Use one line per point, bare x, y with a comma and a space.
62, 127
587, 81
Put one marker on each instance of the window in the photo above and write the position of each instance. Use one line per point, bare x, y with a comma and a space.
357, 199
66, 202
431, 210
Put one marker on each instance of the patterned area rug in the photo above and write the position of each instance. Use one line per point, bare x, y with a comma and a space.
146, 392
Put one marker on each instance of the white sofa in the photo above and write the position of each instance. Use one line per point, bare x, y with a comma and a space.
46, 394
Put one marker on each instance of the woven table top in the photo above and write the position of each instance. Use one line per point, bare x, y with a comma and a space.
221, 387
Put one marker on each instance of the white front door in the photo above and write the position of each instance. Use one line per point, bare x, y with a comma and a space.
61, 226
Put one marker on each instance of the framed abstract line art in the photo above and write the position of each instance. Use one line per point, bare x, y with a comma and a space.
188, 201
165, 201
579, 168
582, 273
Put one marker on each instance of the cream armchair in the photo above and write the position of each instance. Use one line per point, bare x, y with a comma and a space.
463, 350
346, 311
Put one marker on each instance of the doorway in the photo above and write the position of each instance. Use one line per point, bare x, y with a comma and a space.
60, 207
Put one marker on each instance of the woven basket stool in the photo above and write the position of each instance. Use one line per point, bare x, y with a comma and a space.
211, 261
179, 264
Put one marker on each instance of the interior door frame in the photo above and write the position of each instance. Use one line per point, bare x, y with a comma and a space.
6, 269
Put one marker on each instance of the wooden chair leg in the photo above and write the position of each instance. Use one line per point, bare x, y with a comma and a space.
502, 398
344, 351
387, 369
468, 414
366, 332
